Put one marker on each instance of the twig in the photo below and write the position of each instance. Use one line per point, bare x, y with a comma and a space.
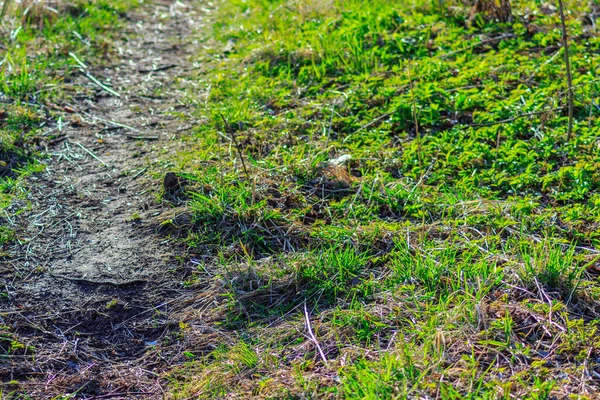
420, 181
548, 61
78, 36
139, 173
91, 153
101, 282
237, 146
100, 84
120, 125
151, 309
77, 60
373, 122
414, 113
498, 134
567, 66
142, 137
83, 68
184, 128
4, 8
108, 129
312, 336
165, 67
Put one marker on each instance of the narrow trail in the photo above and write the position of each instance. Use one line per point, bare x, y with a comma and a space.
90, 285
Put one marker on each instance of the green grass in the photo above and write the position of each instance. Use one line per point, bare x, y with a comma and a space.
449, 256
36, 72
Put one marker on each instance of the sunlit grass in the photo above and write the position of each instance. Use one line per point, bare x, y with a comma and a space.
446, 258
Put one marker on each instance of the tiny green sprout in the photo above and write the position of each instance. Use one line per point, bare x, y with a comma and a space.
16, 345
135, 217
111, 303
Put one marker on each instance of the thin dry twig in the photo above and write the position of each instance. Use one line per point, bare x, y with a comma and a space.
374, 121
312, 336
139, 173
415, 117
141, 137
4, 8
100, 84
156, 69
116, 124
237, 146
101, 282
83, 68
568, 67
91, 153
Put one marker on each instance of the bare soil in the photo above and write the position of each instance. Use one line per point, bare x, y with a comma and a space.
91, 285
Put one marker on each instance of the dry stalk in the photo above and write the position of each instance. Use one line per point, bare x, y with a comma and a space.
416, 119
414, 113
4, 8
567, 66
237, 146
312, 336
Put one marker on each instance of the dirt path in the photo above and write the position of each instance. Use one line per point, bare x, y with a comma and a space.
91, 286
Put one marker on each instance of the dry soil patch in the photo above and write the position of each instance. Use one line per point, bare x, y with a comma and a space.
90, 285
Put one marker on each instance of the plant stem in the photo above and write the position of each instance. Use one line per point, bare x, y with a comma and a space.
237, 146
568, 67
4, 8
415, 118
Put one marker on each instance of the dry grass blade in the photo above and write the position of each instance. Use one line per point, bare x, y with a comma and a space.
4, 8
312, 336
91, 153
414, 115
237, 146
565, 41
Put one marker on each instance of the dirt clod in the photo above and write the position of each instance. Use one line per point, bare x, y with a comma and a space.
173, 184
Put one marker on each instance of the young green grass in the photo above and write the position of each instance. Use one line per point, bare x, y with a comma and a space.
448, 255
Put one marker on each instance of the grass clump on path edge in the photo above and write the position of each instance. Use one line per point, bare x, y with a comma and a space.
394, 177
